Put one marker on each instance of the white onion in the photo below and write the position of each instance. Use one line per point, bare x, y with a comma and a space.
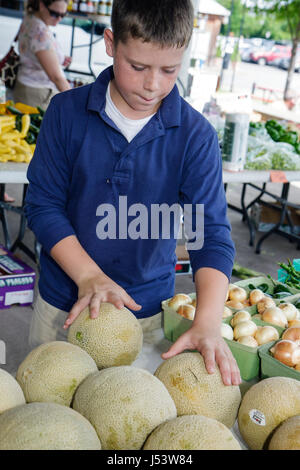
187, 311
294, 323
237, 293
287, 352
226, 331
255, 296
179, 299
235, 304
227, 312
265, 334
244, 328
265, 303
292, 333
275, 316
242, 315
248, 341
289, 310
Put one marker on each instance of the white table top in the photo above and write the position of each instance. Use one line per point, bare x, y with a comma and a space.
252, 176
12, 172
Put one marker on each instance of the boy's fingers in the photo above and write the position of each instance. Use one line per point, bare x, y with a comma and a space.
95, 306
77, 308
209, 360
176, 348
130, 303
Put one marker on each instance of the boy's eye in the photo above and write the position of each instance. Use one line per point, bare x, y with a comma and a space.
137, 68
170, 70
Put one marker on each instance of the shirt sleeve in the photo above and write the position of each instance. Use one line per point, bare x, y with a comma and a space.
49, 177
41, 39
205, 209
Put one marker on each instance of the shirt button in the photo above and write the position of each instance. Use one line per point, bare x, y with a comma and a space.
108, 180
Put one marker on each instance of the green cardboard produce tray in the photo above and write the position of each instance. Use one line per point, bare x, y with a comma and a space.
247, 358
271, 367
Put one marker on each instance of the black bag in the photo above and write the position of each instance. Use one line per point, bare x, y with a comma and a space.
9, 66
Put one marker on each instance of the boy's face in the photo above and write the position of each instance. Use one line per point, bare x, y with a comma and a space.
144, 73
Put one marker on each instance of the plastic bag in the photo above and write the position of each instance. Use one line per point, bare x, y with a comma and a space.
285, 160
263, 162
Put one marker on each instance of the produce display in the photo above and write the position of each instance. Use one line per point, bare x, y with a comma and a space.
124, 404
192, 432
272, 146
60, 400
287, 435
194, 391
19, 128
265, 406
52, 372
120, 332
46, 426
11, 394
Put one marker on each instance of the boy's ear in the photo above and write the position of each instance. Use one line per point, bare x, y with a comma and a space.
109, 42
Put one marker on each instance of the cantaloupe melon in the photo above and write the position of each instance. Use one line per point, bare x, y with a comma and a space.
114, 338
46, 426
287, 435
52, 372
264, 406
194, 391
124, 404
192, 432
11, 394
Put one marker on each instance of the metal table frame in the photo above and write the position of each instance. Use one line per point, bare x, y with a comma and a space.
249, 179
94, 19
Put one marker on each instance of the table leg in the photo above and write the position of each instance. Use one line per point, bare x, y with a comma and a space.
7, 241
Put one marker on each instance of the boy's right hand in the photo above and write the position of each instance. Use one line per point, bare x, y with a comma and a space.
96, 289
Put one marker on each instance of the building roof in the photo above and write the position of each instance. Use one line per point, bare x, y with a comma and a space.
211, 7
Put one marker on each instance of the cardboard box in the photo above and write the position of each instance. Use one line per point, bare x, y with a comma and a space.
17, 280
264, 218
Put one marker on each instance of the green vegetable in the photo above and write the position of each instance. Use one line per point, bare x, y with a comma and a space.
42, 112
281, 295
290, 137
19, 122
34, 129
244, 273
30, 138
14, 110
280, 134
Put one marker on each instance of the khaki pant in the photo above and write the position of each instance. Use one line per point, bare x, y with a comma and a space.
32, 96
47, 323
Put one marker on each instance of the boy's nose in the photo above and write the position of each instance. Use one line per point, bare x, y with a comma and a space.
151, 82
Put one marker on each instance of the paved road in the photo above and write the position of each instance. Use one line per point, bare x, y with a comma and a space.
264, 76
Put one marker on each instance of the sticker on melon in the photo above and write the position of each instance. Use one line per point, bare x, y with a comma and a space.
257, 417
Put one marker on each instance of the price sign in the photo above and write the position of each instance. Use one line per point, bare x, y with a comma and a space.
277, 176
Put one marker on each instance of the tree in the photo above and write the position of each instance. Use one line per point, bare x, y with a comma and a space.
288, 10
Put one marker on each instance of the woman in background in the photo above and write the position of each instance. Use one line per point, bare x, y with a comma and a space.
40, 74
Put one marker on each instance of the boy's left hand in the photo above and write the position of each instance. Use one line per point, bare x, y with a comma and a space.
213, 348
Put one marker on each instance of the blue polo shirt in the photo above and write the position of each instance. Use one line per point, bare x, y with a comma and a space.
87, 180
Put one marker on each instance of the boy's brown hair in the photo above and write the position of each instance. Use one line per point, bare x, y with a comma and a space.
165, 22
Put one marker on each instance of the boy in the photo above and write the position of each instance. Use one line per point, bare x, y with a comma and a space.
129, 137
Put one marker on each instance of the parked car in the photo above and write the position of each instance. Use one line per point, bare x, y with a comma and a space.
284, 63
270, 56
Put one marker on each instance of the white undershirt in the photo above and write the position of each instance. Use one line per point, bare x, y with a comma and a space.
128, 127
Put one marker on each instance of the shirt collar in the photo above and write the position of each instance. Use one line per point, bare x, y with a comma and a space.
170, 109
